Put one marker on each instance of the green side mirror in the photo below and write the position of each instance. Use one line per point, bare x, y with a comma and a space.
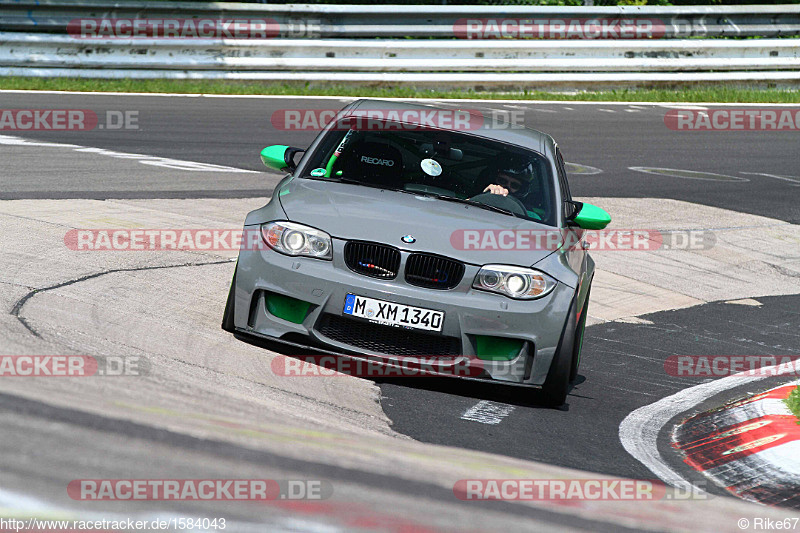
588, 216
280, 157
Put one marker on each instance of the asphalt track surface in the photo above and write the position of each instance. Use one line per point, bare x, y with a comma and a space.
232, 131
623, 366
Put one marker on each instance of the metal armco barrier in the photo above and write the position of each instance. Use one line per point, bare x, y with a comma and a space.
25, 50
454, 46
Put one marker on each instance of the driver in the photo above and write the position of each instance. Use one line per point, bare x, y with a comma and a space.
513, 176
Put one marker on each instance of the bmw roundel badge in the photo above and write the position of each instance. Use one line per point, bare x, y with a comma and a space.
408, 239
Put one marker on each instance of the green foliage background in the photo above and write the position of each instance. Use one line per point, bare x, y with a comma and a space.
793, 401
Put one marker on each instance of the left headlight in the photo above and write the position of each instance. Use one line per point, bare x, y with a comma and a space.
514, 282
296, 239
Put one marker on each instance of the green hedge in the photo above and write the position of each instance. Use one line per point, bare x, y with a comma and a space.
793, 401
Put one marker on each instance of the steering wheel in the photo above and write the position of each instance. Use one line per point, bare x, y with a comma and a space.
509, 203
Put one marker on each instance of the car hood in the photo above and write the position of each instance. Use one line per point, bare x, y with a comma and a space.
357, 212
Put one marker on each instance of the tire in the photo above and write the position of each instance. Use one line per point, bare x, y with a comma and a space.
227, 316
556, 386
578, 343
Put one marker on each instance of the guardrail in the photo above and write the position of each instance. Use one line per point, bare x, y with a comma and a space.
44, 47
21, 50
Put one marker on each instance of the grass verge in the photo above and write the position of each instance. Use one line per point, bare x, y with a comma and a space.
720, 94
793, 402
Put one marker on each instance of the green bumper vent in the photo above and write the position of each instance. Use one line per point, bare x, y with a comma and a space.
497, 348
288, 308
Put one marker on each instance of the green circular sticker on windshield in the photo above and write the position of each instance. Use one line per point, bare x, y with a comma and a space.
317, 172
431, 167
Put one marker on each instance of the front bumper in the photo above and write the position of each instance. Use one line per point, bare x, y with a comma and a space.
469, 313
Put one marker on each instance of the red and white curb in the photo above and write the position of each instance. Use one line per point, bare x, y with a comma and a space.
750, 447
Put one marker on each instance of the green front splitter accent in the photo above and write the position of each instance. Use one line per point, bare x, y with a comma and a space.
288, 308
497, 348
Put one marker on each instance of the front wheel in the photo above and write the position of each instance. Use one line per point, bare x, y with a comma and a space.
578, 344
556, 386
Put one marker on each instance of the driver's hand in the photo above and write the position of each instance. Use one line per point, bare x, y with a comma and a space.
496, 189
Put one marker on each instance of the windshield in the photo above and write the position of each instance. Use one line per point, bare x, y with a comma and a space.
449, 165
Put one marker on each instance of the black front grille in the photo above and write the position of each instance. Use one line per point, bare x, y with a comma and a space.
370, 259
433, 272
387, 340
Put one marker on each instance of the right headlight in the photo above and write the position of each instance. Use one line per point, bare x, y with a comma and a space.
515, 282
291, 238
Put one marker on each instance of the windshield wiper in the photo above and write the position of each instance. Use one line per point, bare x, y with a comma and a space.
336, 179
348, 181
351, 181
421, 193
476, 204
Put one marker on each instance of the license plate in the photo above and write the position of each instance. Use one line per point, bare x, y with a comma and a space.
392, 314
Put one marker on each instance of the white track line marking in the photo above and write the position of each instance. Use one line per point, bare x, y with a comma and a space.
487, 412
640, 429
165, 162
687, 174
584, 170
688, 106
792, 179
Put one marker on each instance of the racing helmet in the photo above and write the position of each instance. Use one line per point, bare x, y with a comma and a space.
515, 173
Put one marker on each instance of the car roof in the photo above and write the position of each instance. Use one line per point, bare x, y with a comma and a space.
490, 127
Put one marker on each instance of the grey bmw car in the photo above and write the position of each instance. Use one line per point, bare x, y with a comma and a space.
405, 232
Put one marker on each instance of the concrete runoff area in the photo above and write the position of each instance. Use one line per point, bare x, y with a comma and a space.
745, 256
165, 307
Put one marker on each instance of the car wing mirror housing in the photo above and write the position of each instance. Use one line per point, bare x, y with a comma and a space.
280, 157
588, 216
